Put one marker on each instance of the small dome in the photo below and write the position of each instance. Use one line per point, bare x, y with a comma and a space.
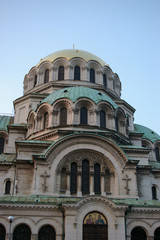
73, 53
74, 93
148, 133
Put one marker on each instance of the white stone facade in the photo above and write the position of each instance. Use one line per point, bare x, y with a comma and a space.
72, 155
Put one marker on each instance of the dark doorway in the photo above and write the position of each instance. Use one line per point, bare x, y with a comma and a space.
157, 234
22, 232
2, 232
138, 234
95, 227
47, 233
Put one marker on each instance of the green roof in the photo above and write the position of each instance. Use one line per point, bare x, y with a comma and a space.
49, 200
4, 121
38, 200
74, 93
7, 158
73, 53
155, 165
148, 133
137, 202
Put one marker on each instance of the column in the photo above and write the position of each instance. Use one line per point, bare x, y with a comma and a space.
68, 184
79, 185
103, 193
91, 184
85, 73
34, 237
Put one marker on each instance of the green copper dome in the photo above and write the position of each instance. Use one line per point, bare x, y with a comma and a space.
148, 133
74, 93
73, 53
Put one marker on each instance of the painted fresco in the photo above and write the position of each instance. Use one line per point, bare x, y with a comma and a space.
95, 218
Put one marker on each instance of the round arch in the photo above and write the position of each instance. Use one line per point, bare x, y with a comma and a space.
51, 222
95, 226
2, 232
47, 232
22, 232
100, 205
142, 224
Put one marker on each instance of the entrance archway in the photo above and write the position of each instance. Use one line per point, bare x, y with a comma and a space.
138, 234
95, 227
47, 232
22, 232
2, 232
157, 234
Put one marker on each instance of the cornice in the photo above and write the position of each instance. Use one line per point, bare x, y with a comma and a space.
19, 127
33, 144
32, 95
122, 102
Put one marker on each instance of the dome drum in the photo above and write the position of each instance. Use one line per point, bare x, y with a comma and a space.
86, 62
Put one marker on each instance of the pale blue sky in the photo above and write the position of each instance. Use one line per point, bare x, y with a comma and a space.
124, 33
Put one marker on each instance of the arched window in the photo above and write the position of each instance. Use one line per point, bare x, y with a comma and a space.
85, 176
116, 124
104, 80
35, 80
46, 76
8, 187
154, 193
61, 73
63, 180
102, 119
63, 116
46, 120
95, 226
77, 73
157, 154
1, 145
22, 232
2, 232
157, 234
47, 233
97, 188
127, 120
92, 75
83, 116
138, 234
73, 182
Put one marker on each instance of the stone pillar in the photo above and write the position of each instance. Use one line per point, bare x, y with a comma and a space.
55, 118
34, 237
85, 73
40, 78
75, 116
99, 77
110, 82
54, 74
50, 119
103, 185
91, 117
68, 74
91, 184
79, 185
111, 120
68, 184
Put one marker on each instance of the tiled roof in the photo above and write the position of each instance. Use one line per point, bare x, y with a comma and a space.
4, 121
148, 133
74, 93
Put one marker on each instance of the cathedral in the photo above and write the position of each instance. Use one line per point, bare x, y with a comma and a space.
73, 164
